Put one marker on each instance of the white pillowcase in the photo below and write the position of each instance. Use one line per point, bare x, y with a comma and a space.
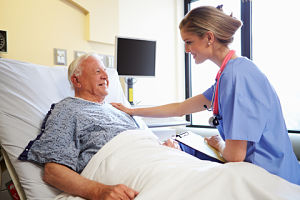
26, 94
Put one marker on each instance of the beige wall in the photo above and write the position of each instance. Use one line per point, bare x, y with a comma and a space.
36, 27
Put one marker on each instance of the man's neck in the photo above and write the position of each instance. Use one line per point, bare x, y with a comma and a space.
91, 98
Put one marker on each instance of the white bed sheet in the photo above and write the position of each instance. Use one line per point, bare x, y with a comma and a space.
137, 159
26, 92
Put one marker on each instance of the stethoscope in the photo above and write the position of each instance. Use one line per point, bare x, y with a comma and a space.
214, 120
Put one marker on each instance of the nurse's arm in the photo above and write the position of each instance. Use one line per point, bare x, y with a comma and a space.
234, 150
190, 105
231, 150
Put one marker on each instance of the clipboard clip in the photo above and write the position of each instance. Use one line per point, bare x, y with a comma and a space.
183, 134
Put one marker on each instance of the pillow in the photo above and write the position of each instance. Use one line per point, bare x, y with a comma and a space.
27, 92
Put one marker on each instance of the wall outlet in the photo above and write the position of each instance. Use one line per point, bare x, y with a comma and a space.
60, 57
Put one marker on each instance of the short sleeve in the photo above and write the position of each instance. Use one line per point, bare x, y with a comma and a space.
57, 142
243, 102
209, 92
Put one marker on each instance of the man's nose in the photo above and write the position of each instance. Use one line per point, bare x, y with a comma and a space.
103, 72
104, 76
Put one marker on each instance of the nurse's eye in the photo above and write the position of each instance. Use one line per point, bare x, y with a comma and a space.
188, 42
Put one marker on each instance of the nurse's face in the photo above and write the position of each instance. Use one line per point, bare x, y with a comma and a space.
197, 46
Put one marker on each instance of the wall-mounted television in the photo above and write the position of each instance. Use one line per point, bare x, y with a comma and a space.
135, 57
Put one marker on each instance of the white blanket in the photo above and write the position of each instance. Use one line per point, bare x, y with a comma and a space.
138, 160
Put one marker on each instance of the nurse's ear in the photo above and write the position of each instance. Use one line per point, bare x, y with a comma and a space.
210, 37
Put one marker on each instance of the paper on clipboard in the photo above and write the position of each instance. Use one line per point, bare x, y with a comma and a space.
198, 143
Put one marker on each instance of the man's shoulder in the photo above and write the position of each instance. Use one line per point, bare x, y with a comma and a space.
64, 107
67, 102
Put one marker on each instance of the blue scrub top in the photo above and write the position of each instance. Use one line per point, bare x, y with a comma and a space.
250, 110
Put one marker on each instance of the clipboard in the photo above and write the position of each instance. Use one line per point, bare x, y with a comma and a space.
197, 142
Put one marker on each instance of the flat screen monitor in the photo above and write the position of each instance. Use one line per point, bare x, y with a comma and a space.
135, 57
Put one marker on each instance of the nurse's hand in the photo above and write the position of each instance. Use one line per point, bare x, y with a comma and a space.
122, 108
216, 142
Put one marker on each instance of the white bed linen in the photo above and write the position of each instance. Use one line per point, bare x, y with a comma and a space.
137, 159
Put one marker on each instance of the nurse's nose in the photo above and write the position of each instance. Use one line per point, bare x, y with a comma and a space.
187, 48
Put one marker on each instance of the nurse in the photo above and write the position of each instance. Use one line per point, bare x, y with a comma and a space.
247, 109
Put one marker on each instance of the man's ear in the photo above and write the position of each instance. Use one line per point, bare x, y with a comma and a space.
75, 81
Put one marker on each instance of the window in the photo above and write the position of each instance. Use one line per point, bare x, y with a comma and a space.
275, 51
274, 38
203, 75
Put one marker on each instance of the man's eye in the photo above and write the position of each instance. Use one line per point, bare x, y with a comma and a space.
188, 42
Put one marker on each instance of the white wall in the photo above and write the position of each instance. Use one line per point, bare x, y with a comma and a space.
157, 20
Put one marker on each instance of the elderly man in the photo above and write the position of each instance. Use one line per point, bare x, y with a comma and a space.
75, 129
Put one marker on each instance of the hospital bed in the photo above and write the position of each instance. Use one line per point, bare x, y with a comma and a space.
135, 158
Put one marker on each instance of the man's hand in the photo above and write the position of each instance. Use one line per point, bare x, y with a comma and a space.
73, 183
172, 143
115, 192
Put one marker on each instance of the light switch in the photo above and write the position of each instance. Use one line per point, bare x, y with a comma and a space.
60, 57
78, 54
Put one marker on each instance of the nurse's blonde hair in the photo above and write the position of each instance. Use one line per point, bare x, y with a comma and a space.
207, 18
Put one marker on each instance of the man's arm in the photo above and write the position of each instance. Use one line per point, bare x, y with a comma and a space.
72, 183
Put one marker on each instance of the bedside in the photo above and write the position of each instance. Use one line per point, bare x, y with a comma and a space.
164, 122
4, 178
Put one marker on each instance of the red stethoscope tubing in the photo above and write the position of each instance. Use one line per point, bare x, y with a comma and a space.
225, 61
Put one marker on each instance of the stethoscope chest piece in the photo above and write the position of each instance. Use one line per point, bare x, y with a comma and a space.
213, 121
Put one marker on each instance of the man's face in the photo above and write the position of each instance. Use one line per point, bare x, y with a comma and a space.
93, 79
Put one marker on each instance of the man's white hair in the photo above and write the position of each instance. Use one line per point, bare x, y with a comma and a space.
75, 66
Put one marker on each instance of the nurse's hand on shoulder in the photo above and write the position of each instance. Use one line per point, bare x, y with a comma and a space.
122, 108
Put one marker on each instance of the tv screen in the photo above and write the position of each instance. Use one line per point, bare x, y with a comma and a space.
135, 57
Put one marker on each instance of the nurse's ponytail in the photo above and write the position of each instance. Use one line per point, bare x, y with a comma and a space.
208, 18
